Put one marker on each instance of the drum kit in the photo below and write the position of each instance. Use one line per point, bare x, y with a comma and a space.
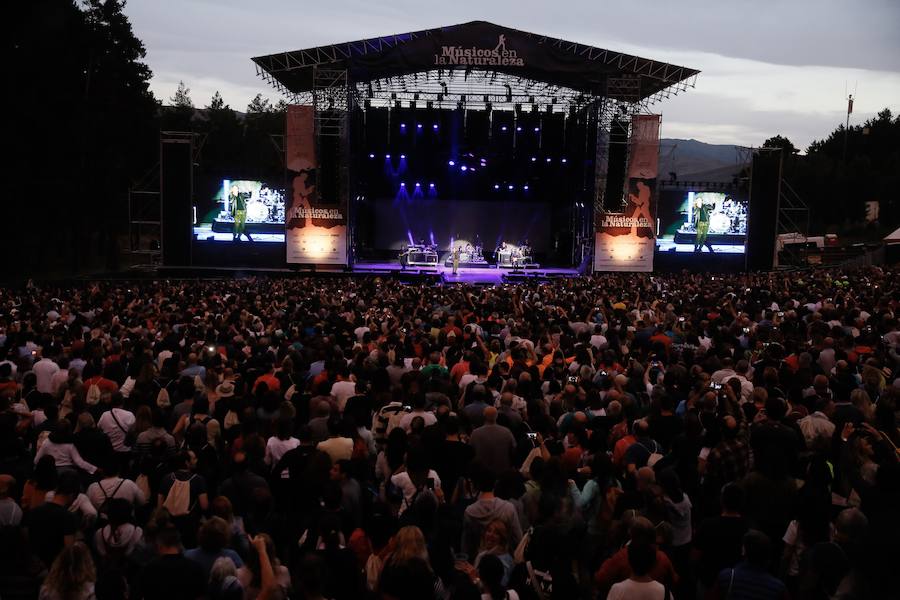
265, 206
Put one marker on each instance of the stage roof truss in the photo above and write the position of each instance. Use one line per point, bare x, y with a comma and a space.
290, 72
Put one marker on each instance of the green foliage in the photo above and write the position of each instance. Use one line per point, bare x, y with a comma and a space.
849, 167
84, 128
781, 142
182, 97
259, 105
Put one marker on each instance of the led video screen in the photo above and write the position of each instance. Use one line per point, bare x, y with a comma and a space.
242, 211
702, 222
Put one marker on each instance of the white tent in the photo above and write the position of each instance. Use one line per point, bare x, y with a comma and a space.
893, 238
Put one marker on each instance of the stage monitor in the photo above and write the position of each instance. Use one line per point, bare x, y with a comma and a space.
242, 211
701, 222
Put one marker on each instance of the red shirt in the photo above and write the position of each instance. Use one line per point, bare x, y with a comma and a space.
270, 380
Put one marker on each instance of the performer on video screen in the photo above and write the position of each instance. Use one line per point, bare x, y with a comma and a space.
239, 208
702, 212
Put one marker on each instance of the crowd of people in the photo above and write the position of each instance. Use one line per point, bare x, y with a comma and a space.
618, 436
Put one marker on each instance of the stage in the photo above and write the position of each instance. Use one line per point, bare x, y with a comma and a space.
489, 275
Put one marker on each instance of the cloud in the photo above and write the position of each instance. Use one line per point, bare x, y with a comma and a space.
767, 67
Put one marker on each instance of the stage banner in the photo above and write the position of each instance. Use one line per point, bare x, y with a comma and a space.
314, 233
625, 241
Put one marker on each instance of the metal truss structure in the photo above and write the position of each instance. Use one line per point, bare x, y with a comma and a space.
654, 80
145, 213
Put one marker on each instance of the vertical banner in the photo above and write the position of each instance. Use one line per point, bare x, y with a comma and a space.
314, 234
626, 241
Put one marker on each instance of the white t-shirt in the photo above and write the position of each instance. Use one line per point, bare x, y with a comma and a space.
276, 448
44, 370
342, 391
637, 590
402, 481
112, 429
406, 421
98, 492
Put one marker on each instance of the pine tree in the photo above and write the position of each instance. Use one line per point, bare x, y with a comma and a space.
217, 103
259, 106
182, 97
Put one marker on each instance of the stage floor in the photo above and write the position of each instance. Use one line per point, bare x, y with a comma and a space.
473, 275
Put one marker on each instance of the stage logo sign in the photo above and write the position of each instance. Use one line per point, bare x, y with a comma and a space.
314, 233
498, 56
626, 241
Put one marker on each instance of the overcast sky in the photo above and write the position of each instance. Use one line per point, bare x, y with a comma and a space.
767, 66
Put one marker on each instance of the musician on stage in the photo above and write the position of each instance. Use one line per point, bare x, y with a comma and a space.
456, 252
239, 212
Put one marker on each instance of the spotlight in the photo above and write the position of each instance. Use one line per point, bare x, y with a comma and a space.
402, 125
402, 156
496, 186
431, 185
549, 160
564, 160
525, 187
402, 184
537, 129
452, 163
435, 126
419, 126
503, 128
464, 168
387, 155
533, 158
509, 187
518, 129
472, 169
418, 184
371, 156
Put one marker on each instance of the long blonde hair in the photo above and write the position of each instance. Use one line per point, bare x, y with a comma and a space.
409, 543
71, 572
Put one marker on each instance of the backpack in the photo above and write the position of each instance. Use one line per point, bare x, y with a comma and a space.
654, 456
104, 506
93, 394
162, 396
178, 500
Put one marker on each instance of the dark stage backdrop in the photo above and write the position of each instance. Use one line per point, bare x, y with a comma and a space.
512, 221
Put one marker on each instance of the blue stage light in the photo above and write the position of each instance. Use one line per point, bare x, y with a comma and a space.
549, 160
387, 155
518, 129
533, 158
402, 156
418, 184
496, 186
418, 126
435, 126
524, 187
371, 156
463, 168
537, 129
510, 187
402, 125
503, 128
431, 185
402, 184
564, 160
452, 163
